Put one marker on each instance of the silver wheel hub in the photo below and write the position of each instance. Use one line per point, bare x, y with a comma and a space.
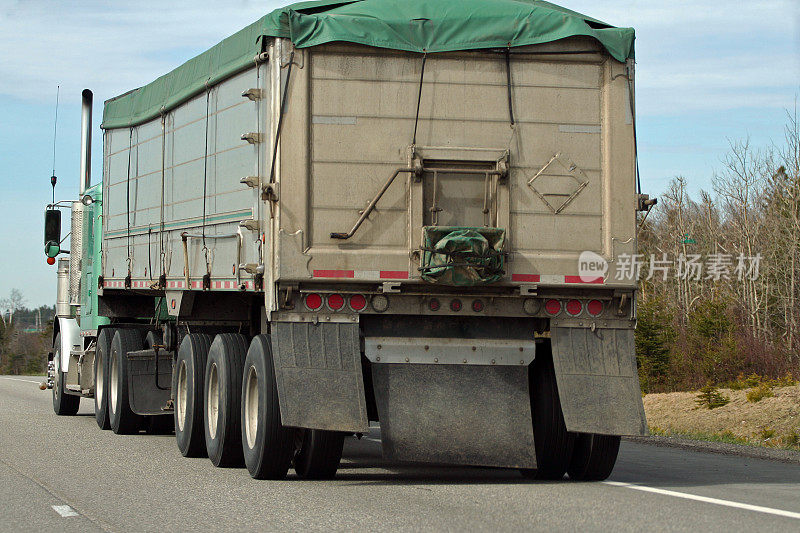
180, 396
212, 401
114, 389
99, 380
251, 407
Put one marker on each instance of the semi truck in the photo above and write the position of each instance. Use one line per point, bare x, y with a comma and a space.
356, 212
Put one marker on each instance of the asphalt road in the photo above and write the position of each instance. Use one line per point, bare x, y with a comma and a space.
52, 466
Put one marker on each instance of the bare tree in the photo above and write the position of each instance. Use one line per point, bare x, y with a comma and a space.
10, 305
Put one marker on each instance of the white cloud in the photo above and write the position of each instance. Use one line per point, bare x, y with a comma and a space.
709, 54
111, 48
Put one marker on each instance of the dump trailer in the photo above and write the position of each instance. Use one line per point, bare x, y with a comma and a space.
355, 212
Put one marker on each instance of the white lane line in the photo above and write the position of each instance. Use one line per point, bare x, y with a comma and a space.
23, 380
64, 510
716, 501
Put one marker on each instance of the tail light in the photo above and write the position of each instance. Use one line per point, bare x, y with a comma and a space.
358, 302
532, 306
477, 306
594, 307
455, 305
313, 302
380, 303
552, 307
574, 307
335, 302
434, 304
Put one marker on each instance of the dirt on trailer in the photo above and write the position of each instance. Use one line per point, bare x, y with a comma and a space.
770, 421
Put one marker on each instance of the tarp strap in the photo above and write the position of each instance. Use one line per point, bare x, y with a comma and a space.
161, 250
205, 181
128, 198
280, 118
508, 85
419, 98
633, 119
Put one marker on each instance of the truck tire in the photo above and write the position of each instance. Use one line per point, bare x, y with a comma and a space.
593, 457
223, 398
63, 404
190, 368
101, 365
156, 424
268, 446
552, 441
319, 454
123, 420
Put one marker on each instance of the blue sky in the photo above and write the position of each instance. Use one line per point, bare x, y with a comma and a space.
707, 71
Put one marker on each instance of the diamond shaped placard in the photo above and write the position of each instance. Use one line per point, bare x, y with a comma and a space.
573, 172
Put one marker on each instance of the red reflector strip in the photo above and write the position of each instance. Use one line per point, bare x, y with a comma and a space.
334, 274
525, 278
394, 274
579, 279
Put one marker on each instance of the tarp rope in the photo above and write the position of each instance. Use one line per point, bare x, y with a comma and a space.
280, 118
508, 86
419, 97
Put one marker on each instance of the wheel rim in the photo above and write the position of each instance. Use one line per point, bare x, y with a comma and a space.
251, 407
180, 397
212, 402
114, 382
99, 379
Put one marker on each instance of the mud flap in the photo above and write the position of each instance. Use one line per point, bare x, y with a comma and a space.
318, 373
476, 415
148, 395
597, 380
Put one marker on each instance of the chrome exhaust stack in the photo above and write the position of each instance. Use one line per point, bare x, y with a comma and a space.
86, 141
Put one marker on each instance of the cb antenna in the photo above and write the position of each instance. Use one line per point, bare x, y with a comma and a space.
53, 178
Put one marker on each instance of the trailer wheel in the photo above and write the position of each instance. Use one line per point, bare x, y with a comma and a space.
223, 394
123, 420
319, 454
190, 367
268, 446
552, 441
593, 457
101, 378
63, 404
156, 424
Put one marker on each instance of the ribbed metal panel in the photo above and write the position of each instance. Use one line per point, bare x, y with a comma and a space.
75, 253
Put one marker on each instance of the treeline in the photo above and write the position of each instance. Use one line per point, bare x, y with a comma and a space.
25, 336
720, 273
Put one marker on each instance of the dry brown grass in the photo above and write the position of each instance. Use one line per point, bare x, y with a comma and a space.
772, 421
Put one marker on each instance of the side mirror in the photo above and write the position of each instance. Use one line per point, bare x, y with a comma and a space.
52, 230
52, 249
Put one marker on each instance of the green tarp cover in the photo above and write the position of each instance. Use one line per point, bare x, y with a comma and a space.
411, 25
463, 256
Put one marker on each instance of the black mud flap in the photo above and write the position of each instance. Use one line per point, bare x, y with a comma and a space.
318, 373
148, 394
476, 415
597, 380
